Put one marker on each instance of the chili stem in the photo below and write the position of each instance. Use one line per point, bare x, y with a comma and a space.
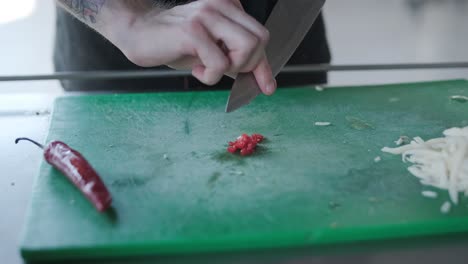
30, 140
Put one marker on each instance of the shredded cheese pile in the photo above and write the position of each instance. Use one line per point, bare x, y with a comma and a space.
440, 162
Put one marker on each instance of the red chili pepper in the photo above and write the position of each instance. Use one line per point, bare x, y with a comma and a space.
75, 167
245, 143
251, 146
240, 144
232, 149
257, 138
246, 152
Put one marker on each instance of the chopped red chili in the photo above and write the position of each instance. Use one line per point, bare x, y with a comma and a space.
257, 138
245, 144
77, 169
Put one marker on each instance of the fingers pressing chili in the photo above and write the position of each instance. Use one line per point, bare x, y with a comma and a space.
245, 144
77, 169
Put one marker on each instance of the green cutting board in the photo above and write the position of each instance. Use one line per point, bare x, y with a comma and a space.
306, 186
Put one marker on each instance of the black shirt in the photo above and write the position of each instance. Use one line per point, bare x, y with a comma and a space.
79, 48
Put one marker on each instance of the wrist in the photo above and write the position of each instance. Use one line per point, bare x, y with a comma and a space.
124, 31
120, 20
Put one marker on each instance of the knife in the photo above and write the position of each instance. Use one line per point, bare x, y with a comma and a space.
288, 24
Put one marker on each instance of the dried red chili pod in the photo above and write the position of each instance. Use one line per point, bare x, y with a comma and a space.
78, 170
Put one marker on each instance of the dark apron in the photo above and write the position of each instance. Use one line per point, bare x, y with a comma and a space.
79, 48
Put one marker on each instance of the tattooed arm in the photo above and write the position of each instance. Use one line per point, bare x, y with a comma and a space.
103, 16
211, 37
87, 11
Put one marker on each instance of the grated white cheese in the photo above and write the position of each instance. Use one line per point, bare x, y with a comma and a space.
322, 123
319, 88
377, 159
403, 140
429, 194
439, 162
445, 208
236, 172
459, 98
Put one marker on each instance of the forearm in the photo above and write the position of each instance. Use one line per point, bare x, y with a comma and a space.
110, 18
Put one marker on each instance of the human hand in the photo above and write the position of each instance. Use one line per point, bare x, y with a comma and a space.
211, 37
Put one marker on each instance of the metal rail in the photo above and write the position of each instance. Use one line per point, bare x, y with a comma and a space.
138, 74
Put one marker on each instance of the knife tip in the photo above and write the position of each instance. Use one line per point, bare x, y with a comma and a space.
229, 109
231, 106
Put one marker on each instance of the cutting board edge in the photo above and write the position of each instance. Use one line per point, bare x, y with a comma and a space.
382, 235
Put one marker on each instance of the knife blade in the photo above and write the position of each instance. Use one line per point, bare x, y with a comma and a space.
288, 24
